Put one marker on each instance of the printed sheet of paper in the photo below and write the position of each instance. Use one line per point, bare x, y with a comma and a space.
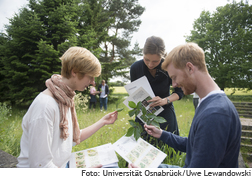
104, 154
141, 82
139, 152
141, 95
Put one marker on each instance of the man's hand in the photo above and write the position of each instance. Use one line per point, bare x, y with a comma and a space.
153, 131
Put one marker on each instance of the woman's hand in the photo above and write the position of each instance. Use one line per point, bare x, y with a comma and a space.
157, 101
110, 118
153, 131
131, 165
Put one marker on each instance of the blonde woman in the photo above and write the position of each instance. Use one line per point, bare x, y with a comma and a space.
50, 126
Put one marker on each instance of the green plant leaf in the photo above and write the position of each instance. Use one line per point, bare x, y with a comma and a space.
132, 112
144, 111
144, 118
148, 122
119, 110
130, 131
150, 115
140, 128
133, 123
137, 134
132, 104
159, 119
139, 105
154, 123
137, 111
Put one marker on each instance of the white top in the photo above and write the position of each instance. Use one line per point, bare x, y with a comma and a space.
209, 94
103, 94
195, 95
41, 145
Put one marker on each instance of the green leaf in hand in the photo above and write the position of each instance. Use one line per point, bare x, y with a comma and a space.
119, 110
154, 123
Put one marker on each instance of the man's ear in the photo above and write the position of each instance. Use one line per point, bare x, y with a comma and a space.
190, 67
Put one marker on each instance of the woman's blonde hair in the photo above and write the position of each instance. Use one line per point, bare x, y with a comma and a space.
189, 52
81, 61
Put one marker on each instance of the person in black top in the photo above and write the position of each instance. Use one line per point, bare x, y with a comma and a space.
104, 91
150, 66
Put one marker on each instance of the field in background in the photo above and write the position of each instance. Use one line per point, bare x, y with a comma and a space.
119, 90
228, 91
11, 131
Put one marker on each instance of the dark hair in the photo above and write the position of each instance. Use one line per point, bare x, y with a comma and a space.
154, 45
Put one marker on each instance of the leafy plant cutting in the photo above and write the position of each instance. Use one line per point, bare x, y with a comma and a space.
147, 117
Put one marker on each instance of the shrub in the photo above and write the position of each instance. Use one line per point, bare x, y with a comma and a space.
81, 102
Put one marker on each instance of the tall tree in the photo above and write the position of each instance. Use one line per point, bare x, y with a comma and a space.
36, 39
117, 56
226, 37
92, 25
45, 29
23, 34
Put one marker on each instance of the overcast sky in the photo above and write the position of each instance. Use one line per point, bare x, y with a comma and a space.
168, 19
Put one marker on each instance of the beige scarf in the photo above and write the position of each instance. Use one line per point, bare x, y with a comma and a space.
64, 96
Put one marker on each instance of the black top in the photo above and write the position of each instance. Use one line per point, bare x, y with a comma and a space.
106, 89
160, 85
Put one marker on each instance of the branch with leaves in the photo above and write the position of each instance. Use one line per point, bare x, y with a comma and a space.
148, 118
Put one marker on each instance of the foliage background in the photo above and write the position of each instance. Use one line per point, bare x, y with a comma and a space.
44, 30
226, 38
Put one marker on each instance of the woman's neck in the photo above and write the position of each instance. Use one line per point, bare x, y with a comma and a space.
153, 72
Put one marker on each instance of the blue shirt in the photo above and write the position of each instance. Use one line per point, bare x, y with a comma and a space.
214, 137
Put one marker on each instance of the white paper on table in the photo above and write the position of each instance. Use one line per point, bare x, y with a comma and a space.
139, 152
104, 154
141, 82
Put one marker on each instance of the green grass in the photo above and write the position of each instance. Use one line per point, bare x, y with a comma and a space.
120, 90
11, 131
238, 91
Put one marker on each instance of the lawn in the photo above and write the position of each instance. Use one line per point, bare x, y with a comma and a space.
228, 91
11, 131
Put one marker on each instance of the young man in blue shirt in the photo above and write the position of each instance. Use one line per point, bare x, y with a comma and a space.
215, 133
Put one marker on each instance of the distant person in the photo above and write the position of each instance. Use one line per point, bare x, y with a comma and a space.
150, 66
215, 133
93, 94
195, 100
104, 91
50, 126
